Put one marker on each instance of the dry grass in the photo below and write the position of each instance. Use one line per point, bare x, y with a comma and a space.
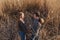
48, 9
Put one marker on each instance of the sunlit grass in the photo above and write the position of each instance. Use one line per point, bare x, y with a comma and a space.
49, 10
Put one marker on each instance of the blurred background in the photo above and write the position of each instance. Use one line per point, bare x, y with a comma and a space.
49, 10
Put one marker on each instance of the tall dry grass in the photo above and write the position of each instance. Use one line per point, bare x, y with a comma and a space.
48, 9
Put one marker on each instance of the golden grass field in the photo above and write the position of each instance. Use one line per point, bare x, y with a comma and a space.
49, 10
